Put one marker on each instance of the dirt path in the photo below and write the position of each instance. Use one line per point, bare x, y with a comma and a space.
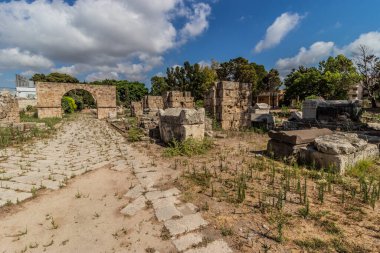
102, 195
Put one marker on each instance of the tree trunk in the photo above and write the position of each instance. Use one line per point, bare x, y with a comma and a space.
373, 102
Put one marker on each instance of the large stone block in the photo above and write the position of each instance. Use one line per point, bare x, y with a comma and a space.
340, 143
299, 136
339, 162
181, 124
9, 108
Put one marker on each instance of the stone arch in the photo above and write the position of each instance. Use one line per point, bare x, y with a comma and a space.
49, 97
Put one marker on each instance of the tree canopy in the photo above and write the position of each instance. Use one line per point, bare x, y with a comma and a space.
331, 80
55, 78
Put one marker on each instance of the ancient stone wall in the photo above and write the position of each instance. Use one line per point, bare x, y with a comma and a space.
178, 99
49, 97
151, 104
136, 109
229, 103
9, 112
181, 124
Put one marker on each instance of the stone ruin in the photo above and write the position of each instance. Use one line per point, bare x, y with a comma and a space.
331, 110
332, 114
9, 111
261, 117
321, 147
178, 99
136, 108
230, 103
181, 124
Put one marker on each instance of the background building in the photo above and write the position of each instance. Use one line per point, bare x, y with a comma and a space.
25, 88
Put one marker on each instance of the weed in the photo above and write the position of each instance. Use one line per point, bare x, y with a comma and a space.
226, 231
188, 147
311, 244
165, 233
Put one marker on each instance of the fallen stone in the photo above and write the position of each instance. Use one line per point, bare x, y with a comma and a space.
135, 206
185, 224
221, 136
339, 143
295, 116
296, 137
218, 246
187, 241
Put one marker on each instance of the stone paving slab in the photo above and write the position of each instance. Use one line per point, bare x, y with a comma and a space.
185, 224
152, 195
188, 208
167, 212
186, 241
16, 186
135, 192
218, 246
14, 196
135, 206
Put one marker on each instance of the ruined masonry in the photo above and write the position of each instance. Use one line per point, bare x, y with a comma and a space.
229, 103
181, 124
9, 112
49, 97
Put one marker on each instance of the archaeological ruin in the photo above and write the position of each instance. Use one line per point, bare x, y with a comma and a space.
49, 97
9, 109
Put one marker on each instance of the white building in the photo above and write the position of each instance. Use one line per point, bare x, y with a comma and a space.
25, 88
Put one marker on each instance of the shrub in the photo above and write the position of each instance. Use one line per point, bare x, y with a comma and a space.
68, 104
188, 147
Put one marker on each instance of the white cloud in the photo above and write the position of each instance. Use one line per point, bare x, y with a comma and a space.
98, 76
204, 63
371, 40
306, 57
93, 34
198, 22
321, 50
22, 59
278, 30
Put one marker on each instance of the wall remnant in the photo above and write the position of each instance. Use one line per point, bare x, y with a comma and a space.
136, 109
9, 111
230, 103
49, 97
178, 99
181, 124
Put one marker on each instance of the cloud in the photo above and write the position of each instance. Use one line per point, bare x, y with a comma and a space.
14, 57
321, 50
306, 57
278, 30
102, 76
371, 40
198, 22
93, 34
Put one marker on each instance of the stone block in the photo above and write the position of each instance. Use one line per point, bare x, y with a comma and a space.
296, 137
339, 143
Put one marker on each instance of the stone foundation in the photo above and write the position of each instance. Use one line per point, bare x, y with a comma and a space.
181, 124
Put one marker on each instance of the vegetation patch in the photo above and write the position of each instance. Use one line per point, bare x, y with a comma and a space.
188, 147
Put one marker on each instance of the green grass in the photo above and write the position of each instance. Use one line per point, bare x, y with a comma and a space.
311, 244
188, 147
364, 169
49, 122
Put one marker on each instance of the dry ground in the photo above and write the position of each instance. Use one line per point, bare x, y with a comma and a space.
259, 221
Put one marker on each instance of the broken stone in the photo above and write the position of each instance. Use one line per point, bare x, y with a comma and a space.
185, 224
296, 137
339, 143
187, 241
134, 207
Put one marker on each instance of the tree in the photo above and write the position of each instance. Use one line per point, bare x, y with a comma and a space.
158, 86
271, 81
238, 70
193, 78
369, 68
54, 77
331, 80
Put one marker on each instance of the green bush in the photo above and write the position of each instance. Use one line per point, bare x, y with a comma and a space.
68, 104
188, 147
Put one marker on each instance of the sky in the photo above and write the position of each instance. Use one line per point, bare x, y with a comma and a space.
137, 39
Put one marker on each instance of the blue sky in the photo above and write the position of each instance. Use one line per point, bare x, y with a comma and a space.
136, 39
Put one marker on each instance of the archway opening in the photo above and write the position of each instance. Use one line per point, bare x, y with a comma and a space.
78, 100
